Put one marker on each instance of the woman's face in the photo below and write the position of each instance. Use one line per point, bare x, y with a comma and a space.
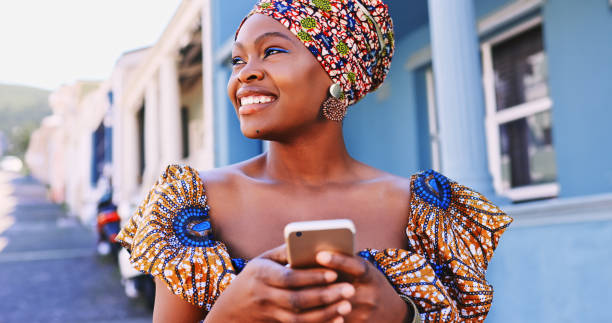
277, 86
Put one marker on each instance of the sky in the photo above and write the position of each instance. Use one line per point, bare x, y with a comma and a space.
47, 43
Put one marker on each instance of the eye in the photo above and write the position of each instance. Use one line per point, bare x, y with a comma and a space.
237, 60
274, 50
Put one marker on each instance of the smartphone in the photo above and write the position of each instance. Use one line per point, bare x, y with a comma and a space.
305, 239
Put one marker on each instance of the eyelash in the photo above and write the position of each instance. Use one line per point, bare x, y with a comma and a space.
236, 61
267, 52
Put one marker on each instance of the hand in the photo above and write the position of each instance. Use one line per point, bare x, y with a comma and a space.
375, 299
268, 291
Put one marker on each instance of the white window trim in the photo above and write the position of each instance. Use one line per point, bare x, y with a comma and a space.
580, 209
495, 118
508, 13
522, 110
432, 117
533, 191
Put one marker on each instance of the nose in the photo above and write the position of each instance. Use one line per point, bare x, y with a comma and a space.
250, 72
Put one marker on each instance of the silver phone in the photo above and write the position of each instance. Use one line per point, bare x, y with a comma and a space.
305, 239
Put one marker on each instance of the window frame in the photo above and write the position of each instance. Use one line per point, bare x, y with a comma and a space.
494, 119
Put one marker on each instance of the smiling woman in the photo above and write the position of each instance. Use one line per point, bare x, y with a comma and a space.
276, 85
213, 239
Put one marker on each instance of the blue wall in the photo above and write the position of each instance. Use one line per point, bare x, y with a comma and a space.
555, 273
227, 17
386, 128
578, 40
230, 145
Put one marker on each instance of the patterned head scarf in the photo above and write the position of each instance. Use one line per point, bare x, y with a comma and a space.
351, 39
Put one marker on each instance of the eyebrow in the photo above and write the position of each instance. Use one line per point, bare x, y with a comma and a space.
263, 36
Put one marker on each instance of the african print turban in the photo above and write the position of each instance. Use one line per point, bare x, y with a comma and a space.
351, 39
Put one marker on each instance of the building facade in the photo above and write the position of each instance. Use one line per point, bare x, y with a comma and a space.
158, 110
62, 152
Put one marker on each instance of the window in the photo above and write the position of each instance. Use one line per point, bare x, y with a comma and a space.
185, 131
98, 153
427, 119
432, 112
518, 113
140, 117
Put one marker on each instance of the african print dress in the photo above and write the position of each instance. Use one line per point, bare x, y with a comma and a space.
451, 235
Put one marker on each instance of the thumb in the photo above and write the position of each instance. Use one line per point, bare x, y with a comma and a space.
278, 254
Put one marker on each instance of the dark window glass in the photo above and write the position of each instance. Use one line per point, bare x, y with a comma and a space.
521, 76
98, 153
528, 156
141, 142
185, 131
520, 69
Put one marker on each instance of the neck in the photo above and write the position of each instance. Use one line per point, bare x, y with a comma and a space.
314, 159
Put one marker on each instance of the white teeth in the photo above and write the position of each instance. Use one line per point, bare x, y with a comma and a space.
256, 100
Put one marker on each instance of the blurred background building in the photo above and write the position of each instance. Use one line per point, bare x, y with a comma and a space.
510, 97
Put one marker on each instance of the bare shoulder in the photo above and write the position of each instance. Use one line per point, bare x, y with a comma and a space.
390, 185
227, 177
388, 194
224, 184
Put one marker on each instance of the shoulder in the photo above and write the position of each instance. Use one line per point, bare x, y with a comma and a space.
229, 177
398, 186
389, 187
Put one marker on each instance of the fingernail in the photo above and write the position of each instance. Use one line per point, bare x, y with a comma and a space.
339, 319
344, 308
330, 276
347, 291
324, 257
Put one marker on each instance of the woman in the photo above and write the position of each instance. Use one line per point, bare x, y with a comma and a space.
425, 241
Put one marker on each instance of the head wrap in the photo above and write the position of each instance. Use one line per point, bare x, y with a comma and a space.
351, 39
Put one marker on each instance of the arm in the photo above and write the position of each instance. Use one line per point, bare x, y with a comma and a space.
170, 308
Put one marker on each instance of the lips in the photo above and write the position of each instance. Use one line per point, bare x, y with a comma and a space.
253, 100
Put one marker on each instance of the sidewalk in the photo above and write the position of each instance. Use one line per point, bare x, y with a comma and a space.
49, 271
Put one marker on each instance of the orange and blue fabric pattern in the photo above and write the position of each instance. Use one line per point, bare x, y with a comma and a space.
451, 235
169, 237
352, 39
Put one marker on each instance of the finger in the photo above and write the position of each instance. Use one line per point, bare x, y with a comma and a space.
332, 313
278, 254
351, 265
310, 298
285, 277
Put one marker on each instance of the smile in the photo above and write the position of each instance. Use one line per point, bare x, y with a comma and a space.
254, 103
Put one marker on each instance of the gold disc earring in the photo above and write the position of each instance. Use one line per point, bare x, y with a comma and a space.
333, 107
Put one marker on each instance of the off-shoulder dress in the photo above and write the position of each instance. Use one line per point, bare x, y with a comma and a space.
451, 234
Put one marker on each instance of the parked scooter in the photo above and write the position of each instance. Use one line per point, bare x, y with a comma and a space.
135, 283
108, 226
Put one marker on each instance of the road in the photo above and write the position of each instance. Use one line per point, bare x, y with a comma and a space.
49, 271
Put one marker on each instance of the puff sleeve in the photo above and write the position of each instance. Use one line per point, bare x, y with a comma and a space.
452, 232
170, 237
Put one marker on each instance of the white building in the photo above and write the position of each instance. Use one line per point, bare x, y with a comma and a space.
158, 109
120, 134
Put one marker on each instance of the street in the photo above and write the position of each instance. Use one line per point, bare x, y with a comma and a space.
49, 270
